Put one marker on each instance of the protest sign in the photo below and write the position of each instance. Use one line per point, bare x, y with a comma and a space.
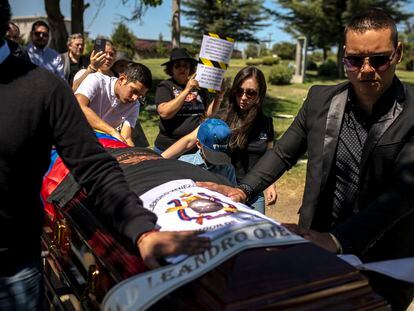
214, 57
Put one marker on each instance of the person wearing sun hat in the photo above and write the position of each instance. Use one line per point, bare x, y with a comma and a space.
180, 102
213, 137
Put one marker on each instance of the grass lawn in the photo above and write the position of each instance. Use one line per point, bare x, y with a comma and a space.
285, 100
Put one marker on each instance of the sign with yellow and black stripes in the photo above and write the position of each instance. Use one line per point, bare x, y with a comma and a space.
214, 58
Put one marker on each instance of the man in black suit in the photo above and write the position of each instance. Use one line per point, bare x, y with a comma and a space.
38, 110
359, 136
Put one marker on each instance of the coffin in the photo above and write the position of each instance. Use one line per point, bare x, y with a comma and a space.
84, 258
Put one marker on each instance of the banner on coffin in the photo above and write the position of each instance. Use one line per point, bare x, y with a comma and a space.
142, 291
214, 57
181, 205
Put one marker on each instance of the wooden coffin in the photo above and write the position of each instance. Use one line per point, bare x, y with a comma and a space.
85, 259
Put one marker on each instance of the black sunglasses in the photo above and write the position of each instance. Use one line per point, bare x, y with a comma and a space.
378, 62
41, 34
183, 64
250, 93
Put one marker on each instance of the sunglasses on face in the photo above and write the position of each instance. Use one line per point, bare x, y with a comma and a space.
378, 62
181, 64
250, 93
41, 34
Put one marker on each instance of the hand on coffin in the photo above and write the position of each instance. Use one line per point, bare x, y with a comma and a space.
236, 194
156, 244
322, 239
117, 135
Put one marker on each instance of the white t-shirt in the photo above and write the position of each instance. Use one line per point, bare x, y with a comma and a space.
100, 90
78, 74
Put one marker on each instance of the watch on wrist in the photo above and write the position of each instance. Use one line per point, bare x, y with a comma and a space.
248, 191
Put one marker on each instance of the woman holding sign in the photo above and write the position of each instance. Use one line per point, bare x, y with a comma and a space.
253, 132
181, 105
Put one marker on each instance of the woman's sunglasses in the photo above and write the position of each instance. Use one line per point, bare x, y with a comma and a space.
378, 62
181, 64
250, 93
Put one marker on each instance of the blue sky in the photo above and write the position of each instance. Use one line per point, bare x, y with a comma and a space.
155, 21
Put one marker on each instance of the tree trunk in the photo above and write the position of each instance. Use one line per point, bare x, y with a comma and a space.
77, 9
175, 24
339, 56
57, 25
325, 53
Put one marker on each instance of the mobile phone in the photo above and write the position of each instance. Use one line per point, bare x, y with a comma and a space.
99, 45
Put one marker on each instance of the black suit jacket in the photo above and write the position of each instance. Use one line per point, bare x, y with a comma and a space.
384, 226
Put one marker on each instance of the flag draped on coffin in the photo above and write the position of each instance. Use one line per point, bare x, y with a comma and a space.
58, 171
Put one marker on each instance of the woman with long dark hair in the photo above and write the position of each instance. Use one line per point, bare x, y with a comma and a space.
252, 131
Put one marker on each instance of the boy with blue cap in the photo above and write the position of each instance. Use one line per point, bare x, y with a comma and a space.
213, 138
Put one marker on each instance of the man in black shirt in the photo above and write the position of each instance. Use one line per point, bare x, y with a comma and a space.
39, 110
73, 60
359, 137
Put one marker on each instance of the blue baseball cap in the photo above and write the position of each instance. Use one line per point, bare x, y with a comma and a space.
214, 136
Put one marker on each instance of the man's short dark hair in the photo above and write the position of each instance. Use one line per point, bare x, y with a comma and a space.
5, 16
373, 19
40, 23
139, 72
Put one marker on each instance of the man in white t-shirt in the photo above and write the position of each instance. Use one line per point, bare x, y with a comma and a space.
112, 104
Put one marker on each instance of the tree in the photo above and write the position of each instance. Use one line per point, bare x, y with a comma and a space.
238, 19
323, 21
78, 7
57, 23
124, 39
160, 48
175, 23
251, 50
285, 50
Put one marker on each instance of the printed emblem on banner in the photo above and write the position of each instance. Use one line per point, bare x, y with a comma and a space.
199, 207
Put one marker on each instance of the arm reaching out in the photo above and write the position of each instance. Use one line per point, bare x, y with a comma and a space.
182, 145
235, 194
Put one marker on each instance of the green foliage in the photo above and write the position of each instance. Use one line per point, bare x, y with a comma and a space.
280, 75
251, 50
285, 50
161, 48
124, 39
88, 46
407, 39
316, 56
238, 19
311, 65
328, 69
270, 61
323, 21
254, 62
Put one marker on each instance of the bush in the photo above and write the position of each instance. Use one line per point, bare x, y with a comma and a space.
407, 64
270, 61
280, 75
311, 65
254, 62
328, 69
